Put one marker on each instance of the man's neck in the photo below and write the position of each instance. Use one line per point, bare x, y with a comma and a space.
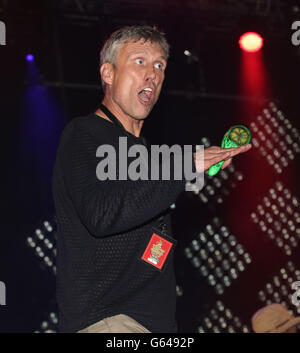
131, 125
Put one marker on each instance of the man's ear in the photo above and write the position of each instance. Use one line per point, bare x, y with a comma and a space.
107, 72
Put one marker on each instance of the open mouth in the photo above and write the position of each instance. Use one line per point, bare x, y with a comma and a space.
146, 95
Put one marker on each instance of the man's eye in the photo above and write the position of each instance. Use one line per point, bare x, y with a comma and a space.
139, 61
158, 66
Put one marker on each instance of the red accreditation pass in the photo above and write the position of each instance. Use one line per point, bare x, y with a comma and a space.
157, 251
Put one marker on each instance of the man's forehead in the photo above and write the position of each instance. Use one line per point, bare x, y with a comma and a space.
142, 45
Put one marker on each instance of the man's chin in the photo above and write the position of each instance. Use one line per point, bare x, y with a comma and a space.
143, 115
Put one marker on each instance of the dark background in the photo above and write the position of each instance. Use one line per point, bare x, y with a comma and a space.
201, 97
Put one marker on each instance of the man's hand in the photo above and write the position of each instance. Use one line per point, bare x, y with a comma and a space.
214, 154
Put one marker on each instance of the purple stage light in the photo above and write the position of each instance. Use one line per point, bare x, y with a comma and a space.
29, 57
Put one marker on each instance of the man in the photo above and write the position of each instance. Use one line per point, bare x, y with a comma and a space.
105, 282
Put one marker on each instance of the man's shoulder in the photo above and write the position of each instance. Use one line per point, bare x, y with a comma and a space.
90, 124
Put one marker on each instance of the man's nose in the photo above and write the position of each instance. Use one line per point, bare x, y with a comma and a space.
150, 73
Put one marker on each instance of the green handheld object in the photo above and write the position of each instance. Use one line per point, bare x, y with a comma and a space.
236, 136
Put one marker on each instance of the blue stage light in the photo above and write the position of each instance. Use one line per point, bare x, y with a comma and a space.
29, 57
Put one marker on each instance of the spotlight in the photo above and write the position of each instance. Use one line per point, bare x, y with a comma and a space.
43, 243
29, 57
179, 291
203, 254
251, 42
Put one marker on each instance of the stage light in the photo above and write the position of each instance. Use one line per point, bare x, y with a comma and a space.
233, 273
231, 168
295, 132
204, 271
217, 239
209, 229
196, 262
261, 295
188, 253
240, 249
202, 237
251, 42
284, 290
274, 122
221, 319
224, 231
267, 113
211, 280
225, 248
240, 266
296, 147
260, 210
260, 119
267, 201
290, 154
224, 174
207, 322
282, 282
219, 289
43, 243
203, 198
50, 325
253, 126
218, 272
214, 314
226, 265
247, 258
269, 145
268, 218
217, 183
29, 57
269, 288
195, 245
211, 263
179, 291
273, 106
262, 136
210, 246
219, 259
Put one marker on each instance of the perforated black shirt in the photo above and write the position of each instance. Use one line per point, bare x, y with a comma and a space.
101, 228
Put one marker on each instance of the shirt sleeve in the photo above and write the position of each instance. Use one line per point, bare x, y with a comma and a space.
111, 206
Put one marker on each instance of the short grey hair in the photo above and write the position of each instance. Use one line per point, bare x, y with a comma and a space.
113, 44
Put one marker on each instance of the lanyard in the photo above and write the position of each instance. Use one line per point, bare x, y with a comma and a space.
117, 122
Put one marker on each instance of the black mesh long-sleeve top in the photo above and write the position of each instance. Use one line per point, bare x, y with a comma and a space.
102, 227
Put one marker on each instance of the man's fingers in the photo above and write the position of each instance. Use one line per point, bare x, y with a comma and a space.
220, 157
218, 150
226, 163
235, 151
216, 155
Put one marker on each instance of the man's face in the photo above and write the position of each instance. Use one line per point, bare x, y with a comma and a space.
138, 77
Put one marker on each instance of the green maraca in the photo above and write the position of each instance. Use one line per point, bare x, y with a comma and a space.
236, 136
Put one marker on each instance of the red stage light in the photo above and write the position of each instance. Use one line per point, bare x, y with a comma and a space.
251, 42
